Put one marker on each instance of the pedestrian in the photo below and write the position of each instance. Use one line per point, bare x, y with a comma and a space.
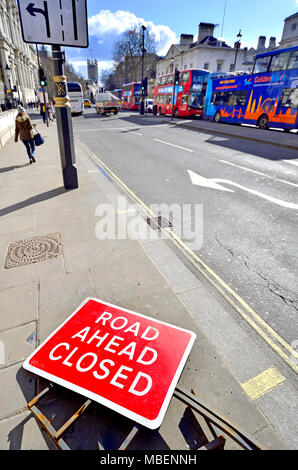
24, 129
52, 110
43, 112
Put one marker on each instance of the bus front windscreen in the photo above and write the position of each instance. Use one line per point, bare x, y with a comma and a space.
74, 87
195, 100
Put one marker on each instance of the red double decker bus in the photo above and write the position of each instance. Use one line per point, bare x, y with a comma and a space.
189, 93
131, 95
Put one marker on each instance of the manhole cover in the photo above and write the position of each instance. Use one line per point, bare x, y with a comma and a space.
33, 250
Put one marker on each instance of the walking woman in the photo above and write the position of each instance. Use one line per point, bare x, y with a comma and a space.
24, 129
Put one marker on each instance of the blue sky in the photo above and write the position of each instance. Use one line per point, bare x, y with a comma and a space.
167, 20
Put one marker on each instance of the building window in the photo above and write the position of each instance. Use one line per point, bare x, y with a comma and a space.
219, 66
232, 68
206, 66
294, 26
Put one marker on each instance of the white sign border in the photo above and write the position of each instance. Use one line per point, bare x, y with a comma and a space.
151, 424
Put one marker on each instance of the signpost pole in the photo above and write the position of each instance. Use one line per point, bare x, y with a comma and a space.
64, 123
43, 90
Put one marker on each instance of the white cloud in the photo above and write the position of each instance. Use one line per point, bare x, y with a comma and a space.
108, 22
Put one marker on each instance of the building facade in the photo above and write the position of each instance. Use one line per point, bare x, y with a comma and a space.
206, 53
289, 39
18, 61
290, 32
92, 69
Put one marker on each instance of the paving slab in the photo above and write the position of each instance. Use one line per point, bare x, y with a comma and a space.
21, 432
60, 296
18, 305
16, 343
17, 388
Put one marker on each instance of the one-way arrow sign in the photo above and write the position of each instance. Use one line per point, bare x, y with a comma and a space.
59, 22
31, 10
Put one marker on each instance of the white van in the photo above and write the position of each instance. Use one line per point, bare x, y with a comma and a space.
149, 105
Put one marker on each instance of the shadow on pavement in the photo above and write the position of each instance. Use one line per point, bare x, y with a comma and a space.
143, 120
263, 150
32, 200
14, 167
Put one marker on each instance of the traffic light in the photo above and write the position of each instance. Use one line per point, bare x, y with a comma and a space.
144, 86
42, 77
177, 73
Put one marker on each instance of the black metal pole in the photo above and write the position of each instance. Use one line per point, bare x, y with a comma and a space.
64, 122
143, 52
43, 90
237, 47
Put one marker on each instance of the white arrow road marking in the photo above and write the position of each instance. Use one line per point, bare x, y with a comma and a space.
213, 183
199, 180
292, 162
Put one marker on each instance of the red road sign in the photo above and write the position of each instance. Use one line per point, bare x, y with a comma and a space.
126, 361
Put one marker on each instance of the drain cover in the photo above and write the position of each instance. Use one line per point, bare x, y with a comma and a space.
156, 223
33, 250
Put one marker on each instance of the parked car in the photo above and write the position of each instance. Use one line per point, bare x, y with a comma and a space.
148, 105
87, 103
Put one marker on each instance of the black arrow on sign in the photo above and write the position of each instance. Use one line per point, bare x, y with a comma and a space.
31, 10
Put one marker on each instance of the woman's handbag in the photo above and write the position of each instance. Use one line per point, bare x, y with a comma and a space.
38, 140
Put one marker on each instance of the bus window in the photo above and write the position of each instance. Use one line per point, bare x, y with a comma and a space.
293, 64
289, 98
279, 62
183, 77
261, 64
184, 100
230, 98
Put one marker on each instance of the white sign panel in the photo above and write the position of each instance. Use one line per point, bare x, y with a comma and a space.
60, 22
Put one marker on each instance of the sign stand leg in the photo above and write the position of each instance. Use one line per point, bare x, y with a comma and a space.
64, 123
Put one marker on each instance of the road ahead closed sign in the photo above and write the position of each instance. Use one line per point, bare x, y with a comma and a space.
126, 361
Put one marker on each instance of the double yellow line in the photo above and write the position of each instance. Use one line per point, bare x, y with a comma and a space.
278, 344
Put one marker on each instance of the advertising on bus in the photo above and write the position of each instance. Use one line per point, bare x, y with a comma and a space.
189, 93
266, 98
76, 97
131, 96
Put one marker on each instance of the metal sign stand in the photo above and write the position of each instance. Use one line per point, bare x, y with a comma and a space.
218, 426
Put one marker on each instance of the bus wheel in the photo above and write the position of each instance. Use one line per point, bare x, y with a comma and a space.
286, 130
176, 113
217, 117
159, 112
263, 121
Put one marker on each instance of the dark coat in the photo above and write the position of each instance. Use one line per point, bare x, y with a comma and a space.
24, 127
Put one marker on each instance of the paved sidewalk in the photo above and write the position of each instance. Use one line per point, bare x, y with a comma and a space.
36, 298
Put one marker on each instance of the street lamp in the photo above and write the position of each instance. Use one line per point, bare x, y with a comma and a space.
8, 92
238, 43
143, 53
143, 49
